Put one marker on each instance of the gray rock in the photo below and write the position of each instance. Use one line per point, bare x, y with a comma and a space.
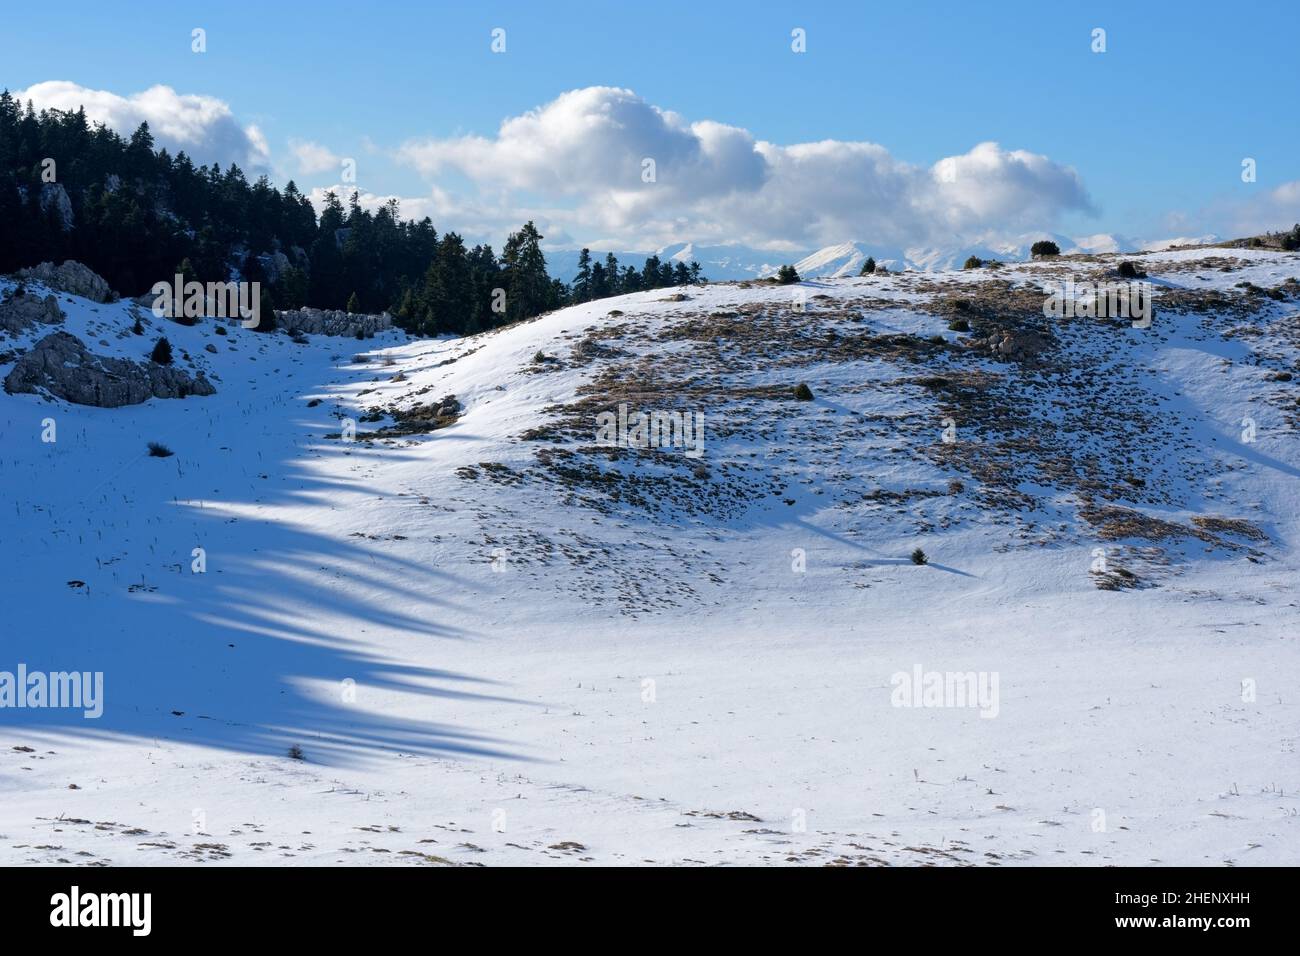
61, 365
20, 312
274, 265
73, 278
1013, 345
53, 194
332, 322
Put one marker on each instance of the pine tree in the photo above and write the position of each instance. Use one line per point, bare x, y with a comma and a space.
162, 352
528, 288
266, 311
650, 273
868, 267
582, 281
612, 276
354, 304
599, 284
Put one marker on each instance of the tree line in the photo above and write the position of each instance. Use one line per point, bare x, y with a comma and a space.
140, 215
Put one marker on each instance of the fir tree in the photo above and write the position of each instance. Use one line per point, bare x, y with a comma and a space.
162, 352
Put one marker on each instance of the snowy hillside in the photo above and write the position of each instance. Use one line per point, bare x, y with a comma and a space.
493, 638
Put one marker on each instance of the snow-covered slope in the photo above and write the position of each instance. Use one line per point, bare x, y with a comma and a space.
501, 641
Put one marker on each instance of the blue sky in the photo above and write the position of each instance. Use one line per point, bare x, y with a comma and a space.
1156, 127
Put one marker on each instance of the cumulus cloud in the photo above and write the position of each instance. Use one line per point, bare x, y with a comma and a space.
202, 126
1267, 210
313, 157
584, 158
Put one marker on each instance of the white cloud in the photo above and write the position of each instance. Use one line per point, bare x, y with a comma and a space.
202, 126
313, 157
1264, 211
581, 158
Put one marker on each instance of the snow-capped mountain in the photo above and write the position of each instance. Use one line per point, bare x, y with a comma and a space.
719, 263
735, 261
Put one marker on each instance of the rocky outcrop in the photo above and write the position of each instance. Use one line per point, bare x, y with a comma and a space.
61, 364
274, 265
20, 311
1023, 345
54, 195
332, 322
73, 278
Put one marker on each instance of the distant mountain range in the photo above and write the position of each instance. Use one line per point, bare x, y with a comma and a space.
735, 261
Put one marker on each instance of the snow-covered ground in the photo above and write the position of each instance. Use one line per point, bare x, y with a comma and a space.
496, 644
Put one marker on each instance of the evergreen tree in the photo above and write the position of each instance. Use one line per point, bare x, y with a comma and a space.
528, 288
162, 352
140, 215
599, 282
612, 283
266, 311
582, 281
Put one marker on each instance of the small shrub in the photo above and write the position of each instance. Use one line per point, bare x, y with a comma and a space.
1044, 247
539, 358
137, 328
958, 325
803, 392
1129, 270
158, 450
162, 352
220, 330
615, 312
919, 557
787, 275
956, 486
974, 262
868, 267
295, 753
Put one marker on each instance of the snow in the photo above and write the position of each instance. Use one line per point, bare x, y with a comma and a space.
484, 672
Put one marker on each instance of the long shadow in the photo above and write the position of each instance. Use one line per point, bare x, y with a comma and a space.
295, 632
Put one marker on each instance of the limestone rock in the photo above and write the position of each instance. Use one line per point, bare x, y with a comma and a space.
53, 194
61, 364
332, 322
19, 312
73, 278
